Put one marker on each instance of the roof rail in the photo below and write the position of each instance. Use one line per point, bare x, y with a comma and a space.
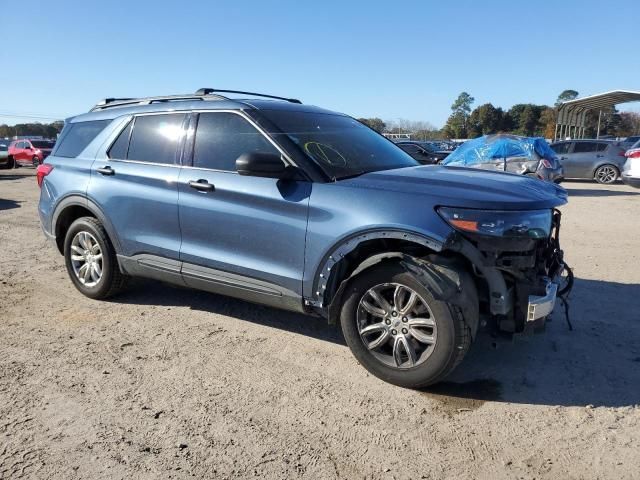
209, 91
119, 102
201, 94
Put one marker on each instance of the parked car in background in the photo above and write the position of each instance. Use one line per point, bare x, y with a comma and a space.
509, 153
4, 156
29, 152
423, 152
308, 210
601, 160
631, 169
628, 142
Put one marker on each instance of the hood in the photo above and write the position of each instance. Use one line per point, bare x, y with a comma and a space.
465, 187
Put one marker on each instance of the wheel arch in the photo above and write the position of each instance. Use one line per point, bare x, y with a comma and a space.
70, 209
349, 254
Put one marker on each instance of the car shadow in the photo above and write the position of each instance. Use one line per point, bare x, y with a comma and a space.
585, 192
596, 364
150, 292
7, 204
14, 176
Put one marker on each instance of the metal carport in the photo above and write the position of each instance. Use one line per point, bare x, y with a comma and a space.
572, 114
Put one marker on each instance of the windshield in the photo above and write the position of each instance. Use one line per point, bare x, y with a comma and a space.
42, 144
342, 146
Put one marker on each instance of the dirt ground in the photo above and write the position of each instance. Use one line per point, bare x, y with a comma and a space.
171, 383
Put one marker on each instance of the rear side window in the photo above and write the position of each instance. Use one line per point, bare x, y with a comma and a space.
410, 149
602, 146
155, 138
121, 145
584, 147
222, 137
76, 136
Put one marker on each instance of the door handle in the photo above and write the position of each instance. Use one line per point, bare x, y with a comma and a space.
563, 158
201, 185
599, 156
106, 170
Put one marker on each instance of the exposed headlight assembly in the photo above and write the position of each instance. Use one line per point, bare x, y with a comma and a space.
499, 223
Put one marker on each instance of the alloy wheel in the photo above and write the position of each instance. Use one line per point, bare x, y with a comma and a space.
396, 325
86, 259
606, 174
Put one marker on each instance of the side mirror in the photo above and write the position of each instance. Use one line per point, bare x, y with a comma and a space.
256, 164
27, 147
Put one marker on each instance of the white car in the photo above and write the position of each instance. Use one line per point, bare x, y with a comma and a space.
631, 169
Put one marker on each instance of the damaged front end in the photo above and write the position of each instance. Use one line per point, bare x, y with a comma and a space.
517, 257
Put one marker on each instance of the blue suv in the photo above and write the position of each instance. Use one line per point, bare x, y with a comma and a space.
300, 208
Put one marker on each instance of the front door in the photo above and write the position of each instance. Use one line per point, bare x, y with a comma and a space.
241, 235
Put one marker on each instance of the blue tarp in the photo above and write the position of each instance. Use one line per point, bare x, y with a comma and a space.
492, 147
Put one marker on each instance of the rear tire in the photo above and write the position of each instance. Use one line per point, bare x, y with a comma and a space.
451, 336
606, 174
91, 260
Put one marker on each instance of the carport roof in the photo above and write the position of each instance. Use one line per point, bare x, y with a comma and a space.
603, 100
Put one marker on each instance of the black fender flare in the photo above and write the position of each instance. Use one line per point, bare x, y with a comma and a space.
346, 245
82, 201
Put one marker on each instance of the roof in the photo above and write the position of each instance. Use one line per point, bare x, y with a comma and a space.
603, 100
182, 105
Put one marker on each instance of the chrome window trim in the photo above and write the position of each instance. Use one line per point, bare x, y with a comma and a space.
188, 133
260, 130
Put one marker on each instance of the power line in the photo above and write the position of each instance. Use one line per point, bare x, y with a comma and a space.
31, 116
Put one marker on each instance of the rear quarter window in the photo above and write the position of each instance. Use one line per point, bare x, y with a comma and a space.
76, 136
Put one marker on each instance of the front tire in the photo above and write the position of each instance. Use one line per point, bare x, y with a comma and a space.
35, 161
91, 259
606, 174
398, 331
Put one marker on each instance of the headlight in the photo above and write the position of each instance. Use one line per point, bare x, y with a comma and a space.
499, 223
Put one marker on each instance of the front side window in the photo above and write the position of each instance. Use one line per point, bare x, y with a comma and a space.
155, 138
221, 137
340, 145
561, 148
585, 147
76, 136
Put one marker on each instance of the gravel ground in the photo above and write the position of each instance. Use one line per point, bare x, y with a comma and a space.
164, 382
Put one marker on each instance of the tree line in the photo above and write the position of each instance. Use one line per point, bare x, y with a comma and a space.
522, 119
46, 130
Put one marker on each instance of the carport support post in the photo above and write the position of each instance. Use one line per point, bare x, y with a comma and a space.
599, 117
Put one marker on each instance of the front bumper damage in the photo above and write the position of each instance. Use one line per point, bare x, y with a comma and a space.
542, 306
521, 277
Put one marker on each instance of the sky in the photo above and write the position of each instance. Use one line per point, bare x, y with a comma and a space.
384, 59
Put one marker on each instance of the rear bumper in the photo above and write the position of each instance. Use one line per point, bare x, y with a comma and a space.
542, 306
631, 181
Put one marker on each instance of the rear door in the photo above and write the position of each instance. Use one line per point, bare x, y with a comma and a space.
241, 235
136, 185
582, 159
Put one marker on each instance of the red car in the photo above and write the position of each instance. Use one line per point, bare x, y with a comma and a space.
29, 152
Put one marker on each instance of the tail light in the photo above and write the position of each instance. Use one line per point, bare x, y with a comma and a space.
633, 154
42, 171
546, 163
622, 153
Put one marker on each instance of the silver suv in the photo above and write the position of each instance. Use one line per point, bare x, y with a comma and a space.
601, 160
